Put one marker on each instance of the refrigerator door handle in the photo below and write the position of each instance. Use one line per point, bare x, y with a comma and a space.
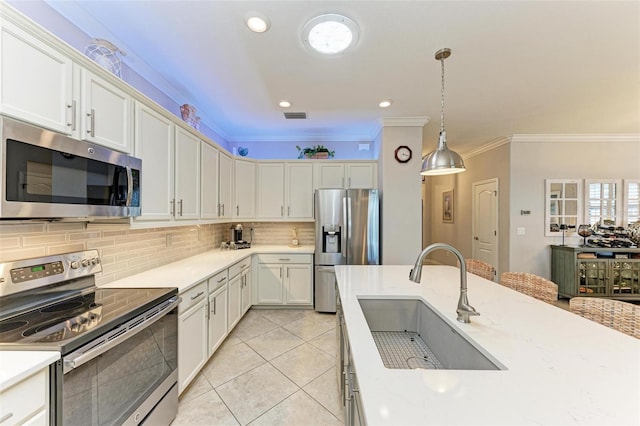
346, 214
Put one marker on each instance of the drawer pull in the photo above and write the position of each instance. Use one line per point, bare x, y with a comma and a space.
222, 279
6, 417
197, 295
284, 259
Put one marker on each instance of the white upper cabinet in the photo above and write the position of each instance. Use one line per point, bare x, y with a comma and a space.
362, 174
154, 136
225, 186
37, 81
170, 167
106, 113
328, 175
42, 85
187, 175
285, 191
271, 200
208, 181
299, 191
245, 190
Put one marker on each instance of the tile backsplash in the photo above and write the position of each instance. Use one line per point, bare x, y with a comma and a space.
125, 251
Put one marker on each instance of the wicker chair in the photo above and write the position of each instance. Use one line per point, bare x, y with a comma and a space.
480, 268
531, 285
621, 316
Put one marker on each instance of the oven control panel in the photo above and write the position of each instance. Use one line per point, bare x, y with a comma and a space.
27, 274
34, 272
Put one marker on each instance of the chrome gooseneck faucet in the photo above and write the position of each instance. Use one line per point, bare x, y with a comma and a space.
465, 310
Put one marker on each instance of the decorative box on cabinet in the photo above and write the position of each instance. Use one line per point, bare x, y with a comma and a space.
596, 272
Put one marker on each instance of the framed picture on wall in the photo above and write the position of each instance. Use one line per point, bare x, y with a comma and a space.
447, 206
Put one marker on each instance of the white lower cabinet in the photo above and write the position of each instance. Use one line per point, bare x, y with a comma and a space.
27, 401
192, 334
284, 279
239, 291
218, 290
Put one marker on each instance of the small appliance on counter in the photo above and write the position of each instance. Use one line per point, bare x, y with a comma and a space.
236, 240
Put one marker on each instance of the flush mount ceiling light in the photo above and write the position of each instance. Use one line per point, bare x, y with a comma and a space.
285, 104
385, 104
257, 22
442, 161
330, 34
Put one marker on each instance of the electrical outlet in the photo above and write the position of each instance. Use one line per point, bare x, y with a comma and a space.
168, 240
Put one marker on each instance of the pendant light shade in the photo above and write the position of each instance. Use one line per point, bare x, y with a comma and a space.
442, 161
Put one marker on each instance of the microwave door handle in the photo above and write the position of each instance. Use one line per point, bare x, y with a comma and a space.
129, 186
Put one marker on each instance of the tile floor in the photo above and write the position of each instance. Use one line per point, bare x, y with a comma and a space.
277, 367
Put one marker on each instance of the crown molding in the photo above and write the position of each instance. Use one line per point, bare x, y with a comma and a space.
581, 138
419, 121
491, 145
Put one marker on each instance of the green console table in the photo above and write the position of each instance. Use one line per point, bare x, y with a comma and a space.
596, 272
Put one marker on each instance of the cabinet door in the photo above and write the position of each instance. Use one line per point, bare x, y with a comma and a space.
235, 301
217, 318
154, 145
361, 175
208, 181
245, 190
225, 185
270, 284
271, 202
299, 189
298, 288
107, 117
328, 176
187, 175
192, 343
37, 81
246, 290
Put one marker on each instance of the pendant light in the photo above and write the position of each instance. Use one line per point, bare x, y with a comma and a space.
442, 161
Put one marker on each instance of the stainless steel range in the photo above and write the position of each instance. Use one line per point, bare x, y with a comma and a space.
118, 347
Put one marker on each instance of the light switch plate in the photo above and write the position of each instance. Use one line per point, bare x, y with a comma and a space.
521, 230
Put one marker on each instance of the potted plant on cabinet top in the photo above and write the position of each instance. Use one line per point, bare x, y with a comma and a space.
318, 151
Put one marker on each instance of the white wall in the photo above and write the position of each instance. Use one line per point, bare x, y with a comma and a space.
400, 184
536, 158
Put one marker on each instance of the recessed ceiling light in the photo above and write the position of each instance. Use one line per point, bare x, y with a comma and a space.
257, 22
385, 104
330, 34
285, 104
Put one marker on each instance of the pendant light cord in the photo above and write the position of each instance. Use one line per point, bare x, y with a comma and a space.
442, 98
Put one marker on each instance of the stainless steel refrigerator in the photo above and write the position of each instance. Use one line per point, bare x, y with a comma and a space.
347, 233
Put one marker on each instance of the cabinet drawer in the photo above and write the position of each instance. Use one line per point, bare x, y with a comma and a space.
239, 267
284, 258
24, 399
193, 296
218, 280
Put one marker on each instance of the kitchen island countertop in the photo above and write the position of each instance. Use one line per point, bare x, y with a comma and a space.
561, 368
186, 273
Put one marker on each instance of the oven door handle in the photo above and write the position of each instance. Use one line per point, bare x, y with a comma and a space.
118, 335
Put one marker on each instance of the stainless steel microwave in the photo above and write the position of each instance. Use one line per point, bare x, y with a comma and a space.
46, 175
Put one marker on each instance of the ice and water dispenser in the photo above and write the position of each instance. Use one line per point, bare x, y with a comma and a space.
331, 238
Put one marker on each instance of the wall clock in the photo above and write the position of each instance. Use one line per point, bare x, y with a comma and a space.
403, 154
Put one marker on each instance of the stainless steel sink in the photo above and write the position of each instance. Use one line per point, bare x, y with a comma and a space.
409, 334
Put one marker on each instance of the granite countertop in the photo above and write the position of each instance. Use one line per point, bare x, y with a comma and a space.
560, 368
188, 272
18, 365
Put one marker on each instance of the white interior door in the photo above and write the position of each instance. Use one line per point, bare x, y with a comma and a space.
485, 221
